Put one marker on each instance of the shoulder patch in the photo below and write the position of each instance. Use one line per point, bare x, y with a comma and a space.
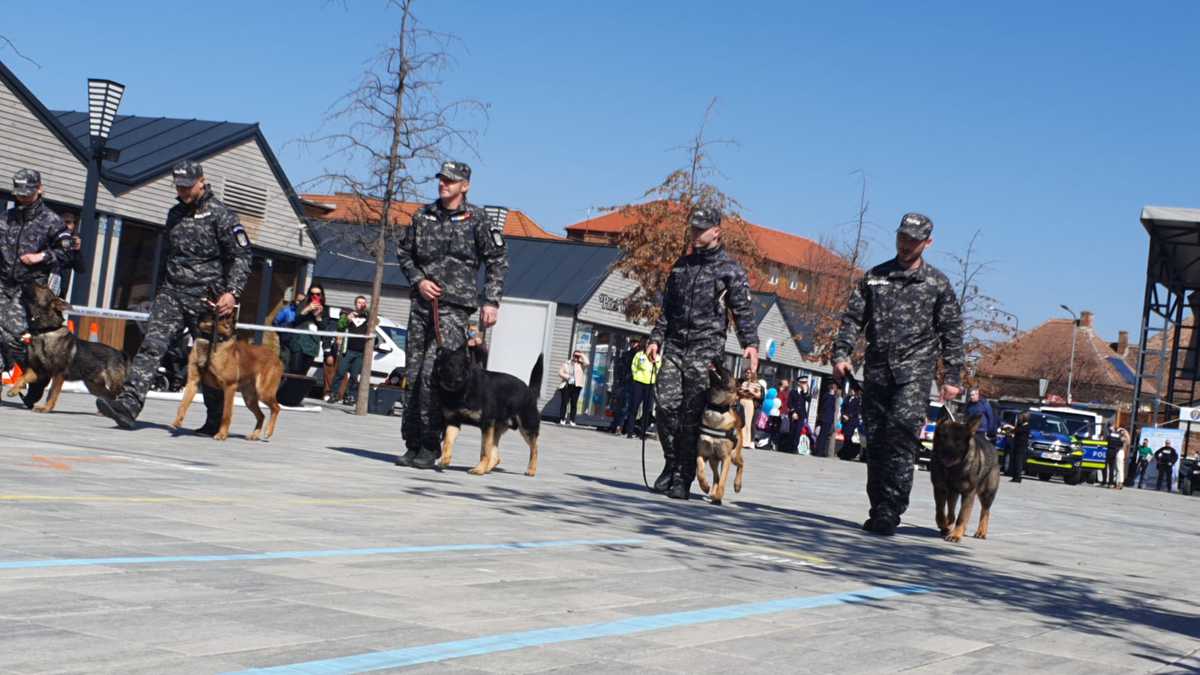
239, 234
497, 238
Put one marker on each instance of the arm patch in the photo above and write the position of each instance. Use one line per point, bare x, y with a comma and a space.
497, 238
239, 235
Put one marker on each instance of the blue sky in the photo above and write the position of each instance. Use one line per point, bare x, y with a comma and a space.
1046, 125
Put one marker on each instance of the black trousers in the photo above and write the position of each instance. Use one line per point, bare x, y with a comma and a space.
570, 399
1164, 473
1016, 462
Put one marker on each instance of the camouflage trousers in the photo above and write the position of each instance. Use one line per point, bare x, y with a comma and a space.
170, 314
893, 414
422, 410
14, 320
680, 389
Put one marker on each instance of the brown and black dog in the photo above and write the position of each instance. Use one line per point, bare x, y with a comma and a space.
721, 429
233, 366
494, 402
963, 464
56, 355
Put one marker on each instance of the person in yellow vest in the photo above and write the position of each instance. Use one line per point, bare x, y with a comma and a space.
644, 370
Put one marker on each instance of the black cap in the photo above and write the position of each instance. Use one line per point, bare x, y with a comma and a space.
704, 218
186, 173
455, 171
916, 225
26, 182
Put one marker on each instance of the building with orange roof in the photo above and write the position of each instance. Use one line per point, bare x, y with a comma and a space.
349, 208
793, 263
1100, 377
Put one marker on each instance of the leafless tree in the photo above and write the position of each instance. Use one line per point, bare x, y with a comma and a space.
5, 42
983, 330
391, 132
660, 231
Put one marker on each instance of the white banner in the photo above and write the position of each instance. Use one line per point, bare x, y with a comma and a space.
143, 316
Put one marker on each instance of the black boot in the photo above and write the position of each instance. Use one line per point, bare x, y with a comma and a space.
664, 480
682, 477
425, 459
117, 411
214, 408
407, 458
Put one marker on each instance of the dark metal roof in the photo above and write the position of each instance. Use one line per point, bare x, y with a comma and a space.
151, 145
762, 304
801, 326
561, 271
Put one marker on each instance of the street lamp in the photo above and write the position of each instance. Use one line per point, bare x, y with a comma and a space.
104, 96
1014, 317
1071, 368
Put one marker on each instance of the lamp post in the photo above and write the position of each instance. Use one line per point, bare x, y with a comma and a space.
1014, 317
1071, 367
103, 98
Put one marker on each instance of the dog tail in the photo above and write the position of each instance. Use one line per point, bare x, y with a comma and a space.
535, 377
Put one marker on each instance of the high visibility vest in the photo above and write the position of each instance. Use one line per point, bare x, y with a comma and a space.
644, 371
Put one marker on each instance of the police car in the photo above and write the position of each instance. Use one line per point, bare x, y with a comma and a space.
1052, 451
390, 345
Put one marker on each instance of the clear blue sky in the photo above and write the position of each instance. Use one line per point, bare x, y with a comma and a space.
1046, 125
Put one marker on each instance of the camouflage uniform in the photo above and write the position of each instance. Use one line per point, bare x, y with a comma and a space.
691, 333
207, 252
26, 229
910, 318
447, 248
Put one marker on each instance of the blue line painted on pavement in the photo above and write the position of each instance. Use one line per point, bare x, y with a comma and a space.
335, 553
504, 642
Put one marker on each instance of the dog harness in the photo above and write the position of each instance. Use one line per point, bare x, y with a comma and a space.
730, 435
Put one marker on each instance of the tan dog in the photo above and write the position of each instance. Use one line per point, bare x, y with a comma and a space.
721, 430
233, 366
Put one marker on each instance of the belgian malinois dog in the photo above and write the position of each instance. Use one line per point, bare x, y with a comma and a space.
232, 366
963, 464
721, 429
56, 355
494, 402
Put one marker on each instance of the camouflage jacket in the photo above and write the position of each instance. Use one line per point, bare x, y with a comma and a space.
910, 317
32, 229
447, 247
701, 286
206, 248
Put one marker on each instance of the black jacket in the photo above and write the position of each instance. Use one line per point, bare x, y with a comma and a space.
32, 229
702, 286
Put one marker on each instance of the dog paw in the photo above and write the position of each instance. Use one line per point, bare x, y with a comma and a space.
41, 409
252, 436
477, 471
953, 538
981, 535
531, 473
942, 532
220, 436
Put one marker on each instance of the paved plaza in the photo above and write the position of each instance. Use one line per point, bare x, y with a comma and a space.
151, 552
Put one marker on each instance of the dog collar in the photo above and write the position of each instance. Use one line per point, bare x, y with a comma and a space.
717, 433
708, 405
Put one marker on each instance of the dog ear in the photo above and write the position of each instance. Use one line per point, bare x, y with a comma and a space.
60, 305
973, 423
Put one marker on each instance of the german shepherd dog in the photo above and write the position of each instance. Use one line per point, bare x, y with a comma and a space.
721, 429
962, 464
494, 402
56, 355
232, 366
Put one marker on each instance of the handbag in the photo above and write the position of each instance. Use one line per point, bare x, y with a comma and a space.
760, 421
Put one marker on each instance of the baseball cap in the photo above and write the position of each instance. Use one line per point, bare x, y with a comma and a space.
455, 171
916, 225
704, 218
26, 182
186, 173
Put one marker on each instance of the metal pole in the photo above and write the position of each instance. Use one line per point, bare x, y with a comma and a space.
88, 230
1071, 368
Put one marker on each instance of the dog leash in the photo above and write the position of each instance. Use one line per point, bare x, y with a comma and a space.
437, 322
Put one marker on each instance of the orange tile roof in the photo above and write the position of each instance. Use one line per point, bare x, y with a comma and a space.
784, 248
350, 208
1045, 351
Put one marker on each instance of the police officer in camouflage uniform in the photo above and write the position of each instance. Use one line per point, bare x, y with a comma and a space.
33, 242
690, 334
910, 315
208, 255
440, 253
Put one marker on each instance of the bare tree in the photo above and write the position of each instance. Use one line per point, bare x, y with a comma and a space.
5, 42
391, 132
983, 331
660, 232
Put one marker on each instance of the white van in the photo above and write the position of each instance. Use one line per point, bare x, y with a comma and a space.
391, 341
